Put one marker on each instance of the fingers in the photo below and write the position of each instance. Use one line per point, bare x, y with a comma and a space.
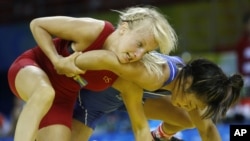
66, 66
75, 55
70, 75
66, 73
77, 69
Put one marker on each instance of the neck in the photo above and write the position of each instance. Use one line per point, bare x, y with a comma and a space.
110, 41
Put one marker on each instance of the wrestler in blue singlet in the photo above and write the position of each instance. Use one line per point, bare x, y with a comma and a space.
91, 105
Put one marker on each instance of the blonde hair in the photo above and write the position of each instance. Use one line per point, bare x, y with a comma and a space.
153, 20
153, 63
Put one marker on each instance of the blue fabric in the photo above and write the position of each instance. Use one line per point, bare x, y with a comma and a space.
92, 105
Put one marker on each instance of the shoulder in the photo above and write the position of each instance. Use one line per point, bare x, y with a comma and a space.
90, 29
95, 24
91, 25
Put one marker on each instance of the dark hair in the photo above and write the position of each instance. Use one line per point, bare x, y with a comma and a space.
212, 86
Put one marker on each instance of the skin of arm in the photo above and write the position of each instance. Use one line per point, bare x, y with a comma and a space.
132, 98
206, 127
134, 71
81, 31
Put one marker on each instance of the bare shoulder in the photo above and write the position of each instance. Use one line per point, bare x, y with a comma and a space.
89, 28
86, 31
77, 29
91, 23
91, 20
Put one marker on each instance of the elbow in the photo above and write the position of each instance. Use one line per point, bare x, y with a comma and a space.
34, 24
209, 127
152, 86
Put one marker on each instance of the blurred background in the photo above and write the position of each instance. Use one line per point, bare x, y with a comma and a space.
214, 29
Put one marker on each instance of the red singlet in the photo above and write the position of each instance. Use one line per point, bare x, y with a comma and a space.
66, 88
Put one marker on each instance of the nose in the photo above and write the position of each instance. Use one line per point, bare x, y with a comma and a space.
138, 54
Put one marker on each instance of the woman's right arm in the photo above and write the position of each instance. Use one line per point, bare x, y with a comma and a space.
78, 30
132, 98
206, 127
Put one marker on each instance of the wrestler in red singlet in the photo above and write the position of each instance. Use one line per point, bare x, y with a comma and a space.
66, 88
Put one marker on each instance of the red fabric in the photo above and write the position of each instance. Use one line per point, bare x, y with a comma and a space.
66, 88
1, 120
242, 44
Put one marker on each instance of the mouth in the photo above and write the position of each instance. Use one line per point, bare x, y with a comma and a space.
128, 57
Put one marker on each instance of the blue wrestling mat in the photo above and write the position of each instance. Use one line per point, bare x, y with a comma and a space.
187, 135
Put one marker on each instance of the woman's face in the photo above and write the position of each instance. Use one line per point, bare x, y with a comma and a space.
189, 101
133, 44
184, 98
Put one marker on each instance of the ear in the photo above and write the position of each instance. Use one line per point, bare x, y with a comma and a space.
123, 27
188, 82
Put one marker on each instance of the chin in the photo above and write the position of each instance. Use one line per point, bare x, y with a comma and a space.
123, 61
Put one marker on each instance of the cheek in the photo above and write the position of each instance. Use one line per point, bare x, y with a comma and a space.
153, 45
125, 45
179, 101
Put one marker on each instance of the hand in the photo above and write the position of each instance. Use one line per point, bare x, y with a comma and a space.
66, 65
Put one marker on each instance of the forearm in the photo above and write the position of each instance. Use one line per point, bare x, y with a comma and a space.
206, 127
44, 41
140, 124
107, 60
97, 60
212, 134
142, 134
132, 98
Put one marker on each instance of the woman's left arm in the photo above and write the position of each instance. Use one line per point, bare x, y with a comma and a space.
206, 127
134, 71
132, 98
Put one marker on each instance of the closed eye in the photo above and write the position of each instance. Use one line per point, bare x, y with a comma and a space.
139, 44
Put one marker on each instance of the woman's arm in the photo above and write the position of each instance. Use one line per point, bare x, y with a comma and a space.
78, 30
135, 71
207, 129
132, 98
